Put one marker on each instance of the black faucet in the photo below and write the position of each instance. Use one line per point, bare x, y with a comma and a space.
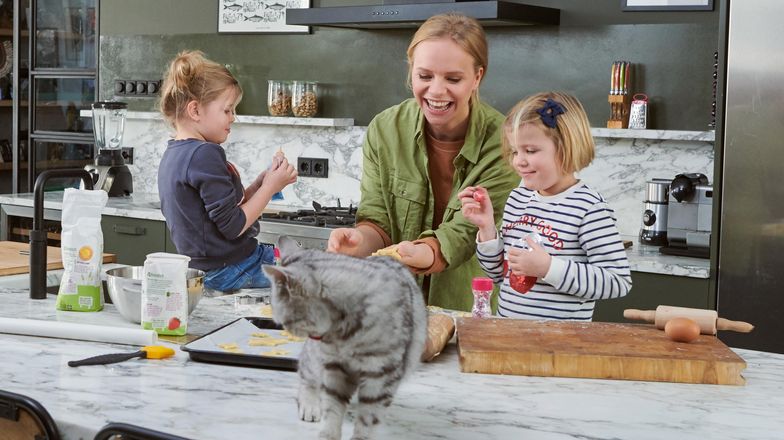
38, 234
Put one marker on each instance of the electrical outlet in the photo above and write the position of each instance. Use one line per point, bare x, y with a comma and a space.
304, 166
119, 87
312, 167
140, 88
320, 168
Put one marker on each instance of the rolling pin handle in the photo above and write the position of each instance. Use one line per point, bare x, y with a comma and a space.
640, 315
736, 326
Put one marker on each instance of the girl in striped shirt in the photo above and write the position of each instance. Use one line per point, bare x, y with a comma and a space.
581, 259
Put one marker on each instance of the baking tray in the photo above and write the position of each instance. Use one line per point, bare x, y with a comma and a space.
205, 348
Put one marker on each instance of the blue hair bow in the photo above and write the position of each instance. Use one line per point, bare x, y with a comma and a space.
550, 111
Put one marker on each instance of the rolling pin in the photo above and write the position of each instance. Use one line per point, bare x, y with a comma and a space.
708, 320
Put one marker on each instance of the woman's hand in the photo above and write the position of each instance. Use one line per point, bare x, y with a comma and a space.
478, 209
419, 256
345, 241
534, 262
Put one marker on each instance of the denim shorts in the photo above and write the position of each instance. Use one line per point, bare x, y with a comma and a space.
243, 274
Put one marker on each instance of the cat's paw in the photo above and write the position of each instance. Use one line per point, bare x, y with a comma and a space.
309, 407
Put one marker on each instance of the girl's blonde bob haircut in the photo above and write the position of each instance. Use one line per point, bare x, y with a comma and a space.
571, 135
463, 30
192, 77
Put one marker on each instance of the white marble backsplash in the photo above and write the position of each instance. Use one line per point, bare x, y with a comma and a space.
619, 172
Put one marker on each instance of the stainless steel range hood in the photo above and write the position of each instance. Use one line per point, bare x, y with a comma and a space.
402, 14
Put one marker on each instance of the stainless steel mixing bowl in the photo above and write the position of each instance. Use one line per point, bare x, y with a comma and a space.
124, 285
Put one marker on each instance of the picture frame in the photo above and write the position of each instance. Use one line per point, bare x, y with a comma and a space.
666, 5
259, 16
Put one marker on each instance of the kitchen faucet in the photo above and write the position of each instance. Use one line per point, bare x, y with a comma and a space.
38, 233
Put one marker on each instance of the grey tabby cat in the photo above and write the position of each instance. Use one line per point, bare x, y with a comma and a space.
365, 321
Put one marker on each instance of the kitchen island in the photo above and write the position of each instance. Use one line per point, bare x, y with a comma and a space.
207, 401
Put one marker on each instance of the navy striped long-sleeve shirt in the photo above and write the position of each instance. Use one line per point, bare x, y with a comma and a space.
588, 258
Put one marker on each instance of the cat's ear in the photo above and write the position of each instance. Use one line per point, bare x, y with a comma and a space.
287, 246
276, 274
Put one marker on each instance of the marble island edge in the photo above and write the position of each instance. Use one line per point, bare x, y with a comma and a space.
210, 401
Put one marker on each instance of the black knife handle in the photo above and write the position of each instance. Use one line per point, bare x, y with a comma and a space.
107, 359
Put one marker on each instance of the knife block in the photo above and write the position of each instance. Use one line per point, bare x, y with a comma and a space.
619, 111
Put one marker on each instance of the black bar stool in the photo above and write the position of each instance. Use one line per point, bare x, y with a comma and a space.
24, 417
125, 431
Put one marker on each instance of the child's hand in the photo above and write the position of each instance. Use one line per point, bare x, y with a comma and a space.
419, 256
534, 262
277, 159
345, 241
478, 210
277, 178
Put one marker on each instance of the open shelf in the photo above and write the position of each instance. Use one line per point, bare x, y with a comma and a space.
250, 119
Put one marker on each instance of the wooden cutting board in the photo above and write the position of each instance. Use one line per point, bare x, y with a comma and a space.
15, 258
592, 350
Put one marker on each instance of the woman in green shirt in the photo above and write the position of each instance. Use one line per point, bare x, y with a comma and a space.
419, 154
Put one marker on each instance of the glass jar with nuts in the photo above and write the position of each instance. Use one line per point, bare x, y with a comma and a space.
304, 99
279, 98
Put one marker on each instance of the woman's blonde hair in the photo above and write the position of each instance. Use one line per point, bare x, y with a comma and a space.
463, 30
192, 77
571, 135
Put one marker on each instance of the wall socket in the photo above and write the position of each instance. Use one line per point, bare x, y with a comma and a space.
312, 167
141, 88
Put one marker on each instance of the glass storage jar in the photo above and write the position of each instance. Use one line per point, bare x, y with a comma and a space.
279, 97
304, 99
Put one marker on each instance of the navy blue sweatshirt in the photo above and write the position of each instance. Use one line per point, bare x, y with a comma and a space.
200, 195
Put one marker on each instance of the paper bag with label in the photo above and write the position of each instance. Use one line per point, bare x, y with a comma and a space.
165, 294
81, 246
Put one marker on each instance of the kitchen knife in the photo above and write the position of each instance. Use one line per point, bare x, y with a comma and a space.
148, 352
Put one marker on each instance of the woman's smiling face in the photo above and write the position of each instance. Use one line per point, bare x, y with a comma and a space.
443, 78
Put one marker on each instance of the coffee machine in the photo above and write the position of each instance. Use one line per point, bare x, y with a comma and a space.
109, 171
689, 216
654, 215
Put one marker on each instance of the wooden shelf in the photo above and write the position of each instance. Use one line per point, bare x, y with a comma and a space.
24, 232
5, 32
9, 103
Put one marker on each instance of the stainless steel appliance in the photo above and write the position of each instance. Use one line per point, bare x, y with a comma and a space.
411, 13
751, 230
310, 227
109, 171
689, 216
654, 213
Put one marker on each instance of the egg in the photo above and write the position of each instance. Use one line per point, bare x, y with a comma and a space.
681, 329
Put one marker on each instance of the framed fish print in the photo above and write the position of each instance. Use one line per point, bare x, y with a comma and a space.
258, 16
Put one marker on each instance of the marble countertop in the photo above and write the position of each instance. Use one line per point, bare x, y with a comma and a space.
137, 205
647, 258
642, 258
208, 401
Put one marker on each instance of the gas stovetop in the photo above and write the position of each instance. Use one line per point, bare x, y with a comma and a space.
319, 216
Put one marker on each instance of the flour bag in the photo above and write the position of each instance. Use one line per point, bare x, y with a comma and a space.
81, 247
165, 293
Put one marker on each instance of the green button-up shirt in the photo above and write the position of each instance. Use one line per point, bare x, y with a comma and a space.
397, 195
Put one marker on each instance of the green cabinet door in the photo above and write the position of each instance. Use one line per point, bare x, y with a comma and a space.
131, 239
650, 290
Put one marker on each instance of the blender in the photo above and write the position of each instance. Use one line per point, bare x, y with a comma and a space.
109, 172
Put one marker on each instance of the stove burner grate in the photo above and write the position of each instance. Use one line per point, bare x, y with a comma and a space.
320, 216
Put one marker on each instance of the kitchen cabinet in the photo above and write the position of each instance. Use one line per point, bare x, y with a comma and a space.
14, 90
650, 290
47, 75
131, 239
